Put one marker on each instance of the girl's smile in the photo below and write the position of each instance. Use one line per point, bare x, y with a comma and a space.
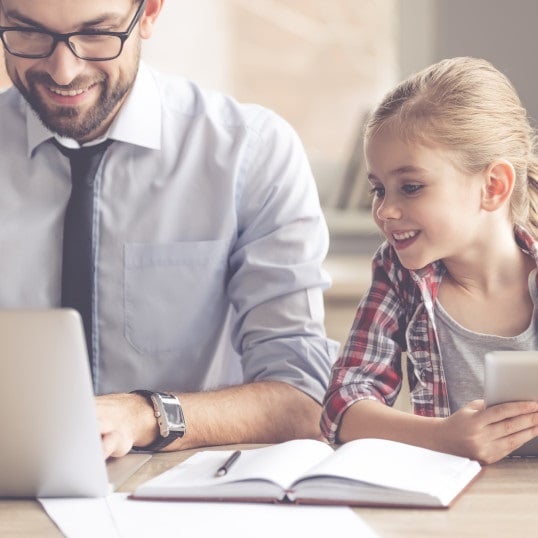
402, 240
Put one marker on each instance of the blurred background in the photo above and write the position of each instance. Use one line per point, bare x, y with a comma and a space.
322, 65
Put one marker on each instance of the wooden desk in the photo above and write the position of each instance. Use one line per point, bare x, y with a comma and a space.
503, 501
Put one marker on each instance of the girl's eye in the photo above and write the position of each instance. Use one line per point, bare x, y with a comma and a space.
377, 192
412, 188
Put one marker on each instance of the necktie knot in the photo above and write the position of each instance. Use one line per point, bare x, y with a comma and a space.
84, 161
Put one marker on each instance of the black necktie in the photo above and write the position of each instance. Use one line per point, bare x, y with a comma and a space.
77, 261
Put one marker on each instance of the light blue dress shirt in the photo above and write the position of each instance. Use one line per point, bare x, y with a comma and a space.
208, 241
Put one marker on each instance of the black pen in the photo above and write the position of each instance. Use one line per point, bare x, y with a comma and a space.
225, 467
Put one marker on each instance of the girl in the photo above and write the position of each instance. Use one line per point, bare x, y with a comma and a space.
454, 177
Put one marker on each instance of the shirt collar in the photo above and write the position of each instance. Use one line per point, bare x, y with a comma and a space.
138, 121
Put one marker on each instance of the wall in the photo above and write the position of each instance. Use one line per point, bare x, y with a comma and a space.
4, 80
193, 38
501, 31
318, 64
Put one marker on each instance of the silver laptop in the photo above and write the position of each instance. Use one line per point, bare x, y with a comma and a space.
51, 443
511, 376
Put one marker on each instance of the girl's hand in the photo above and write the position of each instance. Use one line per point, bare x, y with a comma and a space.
488, 434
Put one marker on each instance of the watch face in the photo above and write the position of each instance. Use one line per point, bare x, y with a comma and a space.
172, 414
175, 418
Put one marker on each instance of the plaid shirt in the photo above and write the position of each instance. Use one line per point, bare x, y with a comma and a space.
395, 316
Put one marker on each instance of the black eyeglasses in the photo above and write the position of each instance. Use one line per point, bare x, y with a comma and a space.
87, 45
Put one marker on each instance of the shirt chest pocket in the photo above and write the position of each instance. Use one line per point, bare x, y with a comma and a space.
171, 292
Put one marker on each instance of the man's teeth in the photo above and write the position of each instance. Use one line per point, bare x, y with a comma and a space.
66, 93
401, 236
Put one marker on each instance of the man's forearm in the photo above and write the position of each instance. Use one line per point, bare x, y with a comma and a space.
261, 412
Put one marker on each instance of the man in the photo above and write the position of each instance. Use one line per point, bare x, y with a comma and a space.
206, 236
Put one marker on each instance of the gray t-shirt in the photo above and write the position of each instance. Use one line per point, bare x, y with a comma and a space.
463, 351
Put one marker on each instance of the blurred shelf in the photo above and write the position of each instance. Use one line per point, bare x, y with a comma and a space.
351, 276
352, 232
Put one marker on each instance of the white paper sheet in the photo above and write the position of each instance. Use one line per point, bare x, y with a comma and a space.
81, 518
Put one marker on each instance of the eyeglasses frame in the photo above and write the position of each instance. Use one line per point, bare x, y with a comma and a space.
64, 38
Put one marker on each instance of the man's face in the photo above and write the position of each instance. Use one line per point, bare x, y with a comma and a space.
74, 98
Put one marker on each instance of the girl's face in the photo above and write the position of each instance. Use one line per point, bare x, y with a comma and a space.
426, 207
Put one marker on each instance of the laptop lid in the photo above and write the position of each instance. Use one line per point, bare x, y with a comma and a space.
51, 443
511, 376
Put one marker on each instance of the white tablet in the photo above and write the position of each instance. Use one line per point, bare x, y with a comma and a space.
511, 376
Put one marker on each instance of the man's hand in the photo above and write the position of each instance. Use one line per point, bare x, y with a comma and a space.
489, 434
259, 412
124, 420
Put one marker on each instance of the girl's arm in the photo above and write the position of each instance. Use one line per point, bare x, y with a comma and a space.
370, 365
486, 435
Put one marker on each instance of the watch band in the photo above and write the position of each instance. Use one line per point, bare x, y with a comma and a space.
161, 441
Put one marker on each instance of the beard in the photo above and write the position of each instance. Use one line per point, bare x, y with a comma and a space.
70, 121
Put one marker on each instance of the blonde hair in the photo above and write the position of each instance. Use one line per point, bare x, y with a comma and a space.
468, 106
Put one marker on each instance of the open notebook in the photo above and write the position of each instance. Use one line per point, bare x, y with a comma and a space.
50, 438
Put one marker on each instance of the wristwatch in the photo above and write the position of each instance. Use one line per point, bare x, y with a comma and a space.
169, 415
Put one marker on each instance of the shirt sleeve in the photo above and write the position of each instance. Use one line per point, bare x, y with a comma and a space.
277, 280
370, 365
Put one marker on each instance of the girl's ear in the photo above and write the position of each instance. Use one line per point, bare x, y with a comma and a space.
147, 22
499, 182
